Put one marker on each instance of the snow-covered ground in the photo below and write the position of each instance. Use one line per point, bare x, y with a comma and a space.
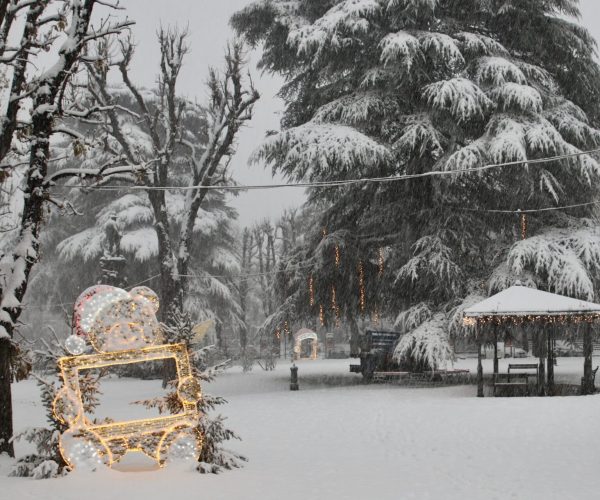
339, 439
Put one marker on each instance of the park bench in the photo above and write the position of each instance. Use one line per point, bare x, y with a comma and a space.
523, 366
511, 381
383, 376
516, 380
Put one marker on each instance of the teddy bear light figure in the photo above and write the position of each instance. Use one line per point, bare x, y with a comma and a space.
122, 328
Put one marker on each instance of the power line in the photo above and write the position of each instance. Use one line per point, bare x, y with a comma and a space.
338, 183
526, 211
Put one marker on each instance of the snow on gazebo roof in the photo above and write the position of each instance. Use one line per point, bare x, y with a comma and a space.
520, 301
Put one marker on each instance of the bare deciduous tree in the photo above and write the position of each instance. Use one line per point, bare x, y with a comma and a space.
64, 30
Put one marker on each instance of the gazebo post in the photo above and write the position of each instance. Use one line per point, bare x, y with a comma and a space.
550, 360
588, 351
479, 365
541, 370
495, 349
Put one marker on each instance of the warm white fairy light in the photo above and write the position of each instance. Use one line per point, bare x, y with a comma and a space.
530, 318
322, 315
381, 263
75, 345
338, 256
524, 224
68, 406
376, 316
86, 444
311, 290
114, 319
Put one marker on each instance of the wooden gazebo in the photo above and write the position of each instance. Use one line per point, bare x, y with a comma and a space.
521, 305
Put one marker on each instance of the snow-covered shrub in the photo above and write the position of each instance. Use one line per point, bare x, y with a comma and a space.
214, 457
46, 461
427, 345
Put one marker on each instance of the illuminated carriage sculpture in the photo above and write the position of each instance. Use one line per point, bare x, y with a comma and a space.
122, 328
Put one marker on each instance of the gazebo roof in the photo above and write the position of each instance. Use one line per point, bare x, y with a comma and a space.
520, 301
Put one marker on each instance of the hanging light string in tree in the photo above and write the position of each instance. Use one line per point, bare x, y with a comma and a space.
523, 222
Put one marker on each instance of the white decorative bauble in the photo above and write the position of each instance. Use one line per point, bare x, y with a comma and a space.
183, 449
84, 450
75, 345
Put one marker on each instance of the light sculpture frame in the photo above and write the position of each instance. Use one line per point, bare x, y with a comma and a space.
151, 436
122, 328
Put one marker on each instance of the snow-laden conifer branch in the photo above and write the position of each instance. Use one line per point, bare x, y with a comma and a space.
476, 44
460, 96
420, 136
414, 317
356, 109
402, 48
498, 71
516, 97
428, 343
336, 28
312, 150
566, 260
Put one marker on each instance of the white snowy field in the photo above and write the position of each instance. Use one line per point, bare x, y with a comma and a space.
339, 439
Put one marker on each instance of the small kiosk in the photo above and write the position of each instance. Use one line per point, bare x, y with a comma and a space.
306, 344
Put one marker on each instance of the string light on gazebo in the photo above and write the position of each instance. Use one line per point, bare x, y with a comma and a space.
322, 315
519, 320
311, 289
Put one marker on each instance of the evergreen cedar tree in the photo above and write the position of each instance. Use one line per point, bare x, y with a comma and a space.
392, 87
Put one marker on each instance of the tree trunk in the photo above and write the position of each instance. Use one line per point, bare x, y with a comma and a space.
25, 256
550, 361
354, 338
541, 343
587, 386
6, 423
170, 295
479, 364
495, 349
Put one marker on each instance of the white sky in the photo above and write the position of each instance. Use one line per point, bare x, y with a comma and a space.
208, 24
